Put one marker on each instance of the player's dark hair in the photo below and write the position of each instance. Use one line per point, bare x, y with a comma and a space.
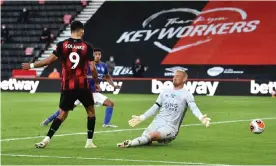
98, 50
76, 25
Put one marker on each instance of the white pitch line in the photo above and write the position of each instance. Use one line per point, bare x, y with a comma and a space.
124, 130
119, 159
104, 159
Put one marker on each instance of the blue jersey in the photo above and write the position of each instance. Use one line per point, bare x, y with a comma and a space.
102, 72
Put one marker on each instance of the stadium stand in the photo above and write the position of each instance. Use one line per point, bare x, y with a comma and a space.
27, 35
84, 16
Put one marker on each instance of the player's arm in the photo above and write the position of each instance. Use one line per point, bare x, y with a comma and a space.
94, 71
195, 110
53, 57
108, 78
149, 113
91, 62
44, 62
153, 109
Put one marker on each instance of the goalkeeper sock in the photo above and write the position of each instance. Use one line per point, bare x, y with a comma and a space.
108, 115
53, 116
140, 140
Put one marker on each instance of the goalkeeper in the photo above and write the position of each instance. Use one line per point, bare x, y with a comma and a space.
173, 103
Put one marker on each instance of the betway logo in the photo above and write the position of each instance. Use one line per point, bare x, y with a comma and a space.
106, 87
209, 26
256, 88
13, 85
195, 87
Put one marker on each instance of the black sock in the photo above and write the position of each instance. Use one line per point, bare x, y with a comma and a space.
90, 127
54, 127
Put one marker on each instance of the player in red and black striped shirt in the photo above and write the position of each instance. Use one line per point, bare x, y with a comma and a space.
74, 54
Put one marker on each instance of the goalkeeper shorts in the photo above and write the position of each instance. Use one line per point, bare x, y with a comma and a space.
167, 133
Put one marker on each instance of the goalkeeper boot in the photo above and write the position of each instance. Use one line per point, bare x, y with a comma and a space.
124, 144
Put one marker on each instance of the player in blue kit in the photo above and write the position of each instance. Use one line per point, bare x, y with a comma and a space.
99, 98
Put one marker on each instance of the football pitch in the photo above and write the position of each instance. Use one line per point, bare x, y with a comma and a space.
228, 141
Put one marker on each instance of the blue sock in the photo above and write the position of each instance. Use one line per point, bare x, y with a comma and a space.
52, 117
108, 115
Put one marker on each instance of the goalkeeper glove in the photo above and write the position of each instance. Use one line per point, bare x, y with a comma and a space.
205, 120
136, 120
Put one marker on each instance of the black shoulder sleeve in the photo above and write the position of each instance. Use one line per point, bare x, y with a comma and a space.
58, 51
90, 52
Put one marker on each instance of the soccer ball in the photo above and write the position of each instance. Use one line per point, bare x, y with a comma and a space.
257, 126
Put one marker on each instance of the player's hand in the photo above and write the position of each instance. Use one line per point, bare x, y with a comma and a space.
97, 88
205, 120
117, 87
135, 121
25, 66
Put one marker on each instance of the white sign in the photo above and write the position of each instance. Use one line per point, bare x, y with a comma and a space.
176, 28
263, 88
198, 87
121, 71
171, 70
106, 87
14, 85
215, 71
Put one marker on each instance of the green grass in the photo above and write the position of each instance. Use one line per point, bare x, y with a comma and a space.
226, 143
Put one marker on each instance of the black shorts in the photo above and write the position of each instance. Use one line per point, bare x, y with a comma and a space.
68, 98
